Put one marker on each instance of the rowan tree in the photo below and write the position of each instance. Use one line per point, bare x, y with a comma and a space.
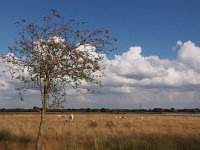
55, 53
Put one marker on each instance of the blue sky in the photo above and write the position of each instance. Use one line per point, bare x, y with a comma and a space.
157, 62
155, 25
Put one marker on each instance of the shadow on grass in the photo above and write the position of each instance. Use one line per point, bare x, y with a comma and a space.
7, 136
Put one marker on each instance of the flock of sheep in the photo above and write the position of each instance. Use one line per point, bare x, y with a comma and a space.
71, 117
121, 117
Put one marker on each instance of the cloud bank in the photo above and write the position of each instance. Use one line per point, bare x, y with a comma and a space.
132, 79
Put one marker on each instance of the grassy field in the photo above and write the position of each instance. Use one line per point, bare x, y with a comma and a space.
93, 131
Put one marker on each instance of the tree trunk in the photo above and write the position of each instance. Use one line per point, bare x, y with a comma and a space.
38, 145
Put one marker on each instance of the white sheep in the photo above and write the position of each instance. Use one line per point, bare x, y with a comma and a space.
62, 116
121, 117
125, 117
71, 118
118, 117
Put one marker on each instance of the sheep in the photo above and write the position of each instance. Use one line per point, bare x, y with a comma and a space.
124, 117
62, 116
118, 117
71, 118
121, 117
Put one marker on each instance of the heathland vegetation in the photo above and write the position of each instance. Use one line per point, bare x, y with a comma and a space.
101, 131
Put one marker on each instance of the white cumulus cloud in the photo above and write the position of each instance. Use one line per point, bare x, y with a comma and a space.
189, 55
131, 79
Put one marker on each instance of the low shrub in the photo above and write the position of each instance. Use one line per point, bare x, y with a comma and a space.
92, 124
110, 124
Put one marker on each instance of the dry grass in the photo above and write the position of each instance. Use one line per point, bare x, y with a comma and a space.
101, 132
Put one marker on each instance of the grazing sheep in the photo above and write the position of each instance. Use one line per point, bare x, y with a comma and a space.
121, 117
62, 116
118, 117
71, 118
125, 117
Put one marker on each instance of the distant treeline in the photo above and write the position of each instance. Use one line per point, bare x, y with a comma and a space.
154, 110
